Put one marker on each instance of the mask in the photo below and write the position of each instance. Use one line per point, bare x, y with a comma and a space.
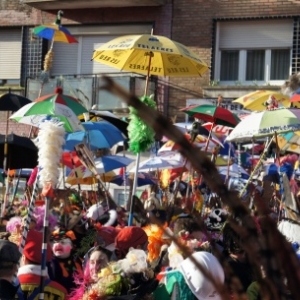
62, 248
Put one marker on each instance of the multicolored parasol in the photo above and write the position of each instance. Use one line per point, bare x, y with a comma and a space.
59, 97
211, 113
266, 123
54, 32
36, 113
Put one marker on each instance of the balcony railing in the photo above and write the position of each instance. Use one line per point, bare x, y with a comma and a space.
77, 4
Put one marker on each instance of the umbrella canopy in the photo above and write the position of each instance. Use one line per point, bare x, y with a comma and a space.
296, 96
21, 152
12, 102
161, 162
95, 115
97, 135
266, 123
289, 141
143, 179
54, 32
168, 58
212, 113
72, 179
233, 170
256, 100
36, 112
49, 102
111, 162
70, 159
200, 141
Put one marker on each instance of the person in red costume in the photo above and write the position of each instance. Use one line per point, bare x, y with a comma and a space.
29, 273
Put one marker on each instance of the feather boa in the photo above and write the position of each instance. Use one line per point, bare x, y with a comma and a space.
13, 224
141, 136
50, 140
38, 215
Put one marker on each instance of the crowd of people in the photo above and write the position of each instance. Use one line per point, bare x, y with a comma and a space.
98, 257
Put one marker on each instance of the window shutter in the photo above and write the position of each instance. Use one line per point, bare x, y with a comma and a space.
254, 34
10, 53
89, 44
65, 59
72, 59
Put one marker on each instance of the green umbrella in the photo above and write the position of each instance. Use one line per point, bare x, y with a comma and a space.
37, 112
211, 113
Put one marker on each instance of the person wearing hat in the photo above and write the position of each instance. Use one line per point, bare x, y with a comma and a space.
200, 285
130, 237
29, 273
9, 261
64, 263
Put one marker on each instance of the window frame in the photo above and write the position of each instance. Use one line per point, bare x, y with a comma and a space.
243, 61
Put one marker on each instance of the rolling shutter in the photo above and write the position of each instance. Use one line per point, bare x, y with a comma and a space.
10, 53
65, 59
255, 34
89, 44
72, 59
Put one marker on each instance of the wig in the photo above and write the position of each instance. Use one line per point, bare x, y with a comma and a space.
13, 223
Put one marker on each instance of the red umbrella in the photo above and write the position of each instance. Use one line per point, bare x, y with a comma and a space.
71, 159
211, 113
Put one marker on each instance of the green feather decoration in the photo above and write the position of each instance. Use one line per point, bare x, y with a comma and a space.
141, 136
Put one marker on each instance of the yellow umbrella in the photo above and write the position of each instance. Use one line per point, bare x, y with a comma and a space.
150, 55
89, 180
255, 100
289, 141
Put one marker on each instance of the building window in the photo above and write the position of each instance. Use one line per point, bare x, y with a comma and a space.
280, 64
253, 51
229, 65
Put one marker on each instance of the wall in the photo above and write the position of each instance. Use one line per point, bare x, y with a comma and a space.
193, 27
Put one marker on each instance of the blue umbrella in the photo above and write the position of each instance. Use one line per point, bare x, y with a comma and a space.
108, 163
97, 135
143, 179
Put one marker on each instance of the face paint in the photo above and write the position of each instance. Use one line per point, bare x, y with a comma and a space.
97, 261
62, 248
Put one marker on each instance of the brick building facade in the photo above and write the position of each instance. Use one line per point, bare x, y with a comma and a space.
194, 23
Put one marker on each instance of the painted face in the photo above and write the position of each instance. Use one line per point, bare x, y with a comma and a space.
62, 248
97, 261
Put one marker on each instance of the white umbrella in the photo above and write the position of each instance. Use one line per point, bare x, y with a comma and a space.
166, 162
234, 170
266, 123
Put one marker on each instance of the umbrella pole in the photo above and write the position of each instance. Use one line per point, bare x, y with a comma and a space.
44, 249
5, 143
209, 136
135, 179
6, 196
34, 196
258, 165
16, 186
228, 165
151, 54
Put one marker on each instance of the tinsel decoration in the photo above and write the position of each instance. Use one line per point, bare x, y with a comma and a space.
50, 140
141, 136
48, 60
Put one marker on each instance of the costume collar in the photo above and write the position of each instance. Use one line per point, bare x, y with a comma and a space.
31, 269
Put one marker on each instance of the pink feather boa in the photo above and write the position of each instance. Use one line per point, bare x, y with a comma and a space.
12, 224
38, 215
